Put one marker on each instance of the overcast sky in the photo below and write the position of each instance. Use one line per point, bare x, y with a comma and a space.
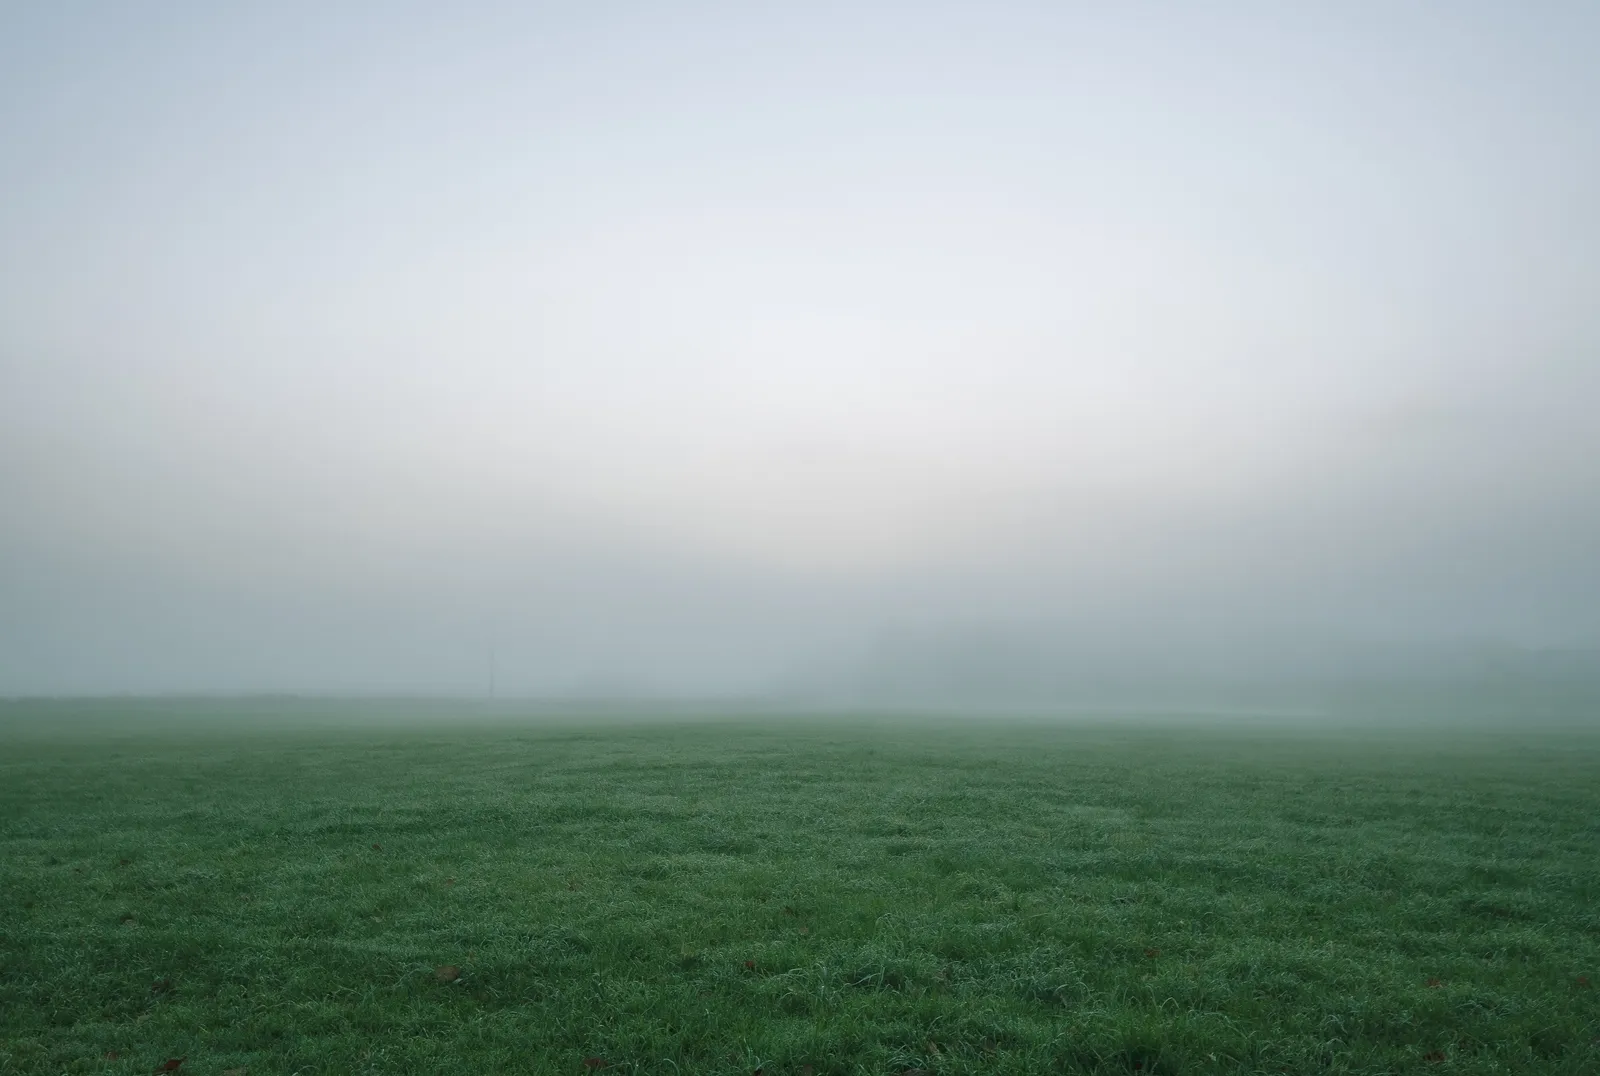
684, 346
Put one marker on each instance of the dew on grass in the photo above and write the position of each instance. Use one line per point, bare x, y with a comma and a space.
1009, 986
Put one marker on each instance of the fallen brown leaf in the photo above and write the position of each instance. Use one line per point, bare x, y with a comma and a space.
171, 1064
161, 986
594, 1062
112, 1055
377, 847
242, 1071
447, 973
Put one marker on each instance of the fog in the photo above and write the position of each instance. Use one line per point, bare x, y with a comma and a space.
885, 352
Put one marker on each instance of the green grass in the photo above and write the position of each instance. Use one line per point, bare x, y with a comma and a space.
792, 896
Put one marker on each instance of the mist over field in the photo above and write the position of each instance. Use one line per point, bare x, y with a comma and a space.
947, 355
812, 539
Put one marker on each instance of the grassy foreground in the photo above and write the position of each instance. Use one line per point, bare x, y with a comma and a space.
795, 897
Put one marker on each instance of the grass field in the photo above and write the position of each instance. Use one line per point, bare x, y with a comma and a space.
793, 896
